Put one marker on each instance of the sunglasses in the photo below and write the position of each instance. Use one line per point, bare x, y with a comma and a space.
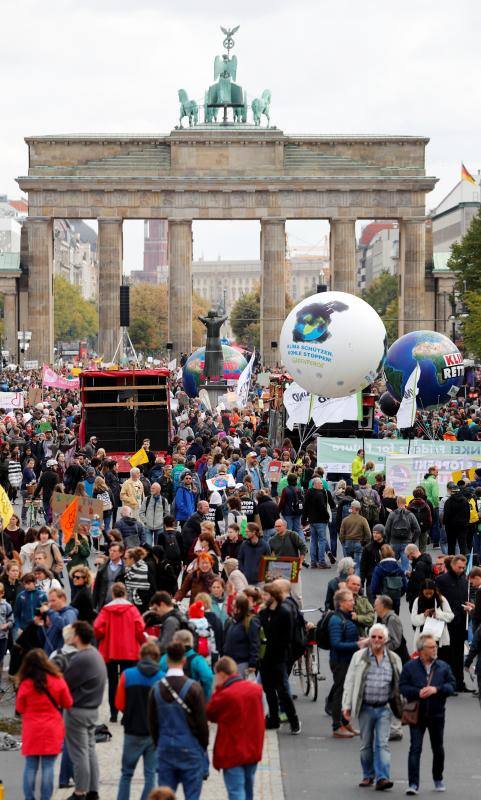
78, 577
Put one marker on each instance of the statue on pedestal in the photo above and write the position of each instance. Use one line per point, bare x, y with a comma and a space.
214, 359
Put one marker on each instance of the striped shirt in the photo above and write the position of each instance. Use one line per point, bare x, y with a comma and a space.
377, 689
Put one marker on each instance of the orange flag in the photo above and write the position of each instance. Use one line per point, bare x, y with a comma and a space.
68, 519
466, 176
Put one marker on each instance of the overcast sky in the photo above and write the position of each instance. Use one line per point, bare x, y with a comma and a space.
94, 66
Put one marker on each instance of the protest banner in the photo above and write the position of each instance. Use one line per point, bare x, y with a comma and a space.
406, 472
12, 401
88, 508
273, 567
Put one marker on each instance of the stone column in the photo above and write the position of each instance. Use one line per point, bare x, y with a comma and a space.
40, 289
273, 287
343, 255
180, 287
412, 270
110, 251
10, 327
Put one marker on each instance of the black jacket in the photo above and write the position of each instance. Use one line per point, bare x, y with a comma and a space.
455, 590
277, 625
315, 506
370, 558
268, 511
421, 568
456, 512
191, 530
113, 482
101, 585
47, 484
132, 531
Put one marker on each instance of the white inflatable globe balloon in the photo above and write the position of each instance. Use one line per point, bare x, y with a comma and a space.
333, 344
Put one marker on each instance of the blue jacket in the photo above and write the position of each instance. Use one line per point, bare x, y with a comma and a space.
242, 642
185, 503
387, 566
250, 558
198, 670
25, 606
343, 636
57, 622
414, 678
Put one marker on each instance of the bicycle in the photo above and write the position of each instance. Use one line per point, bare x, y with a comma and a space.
307, 667
34, 510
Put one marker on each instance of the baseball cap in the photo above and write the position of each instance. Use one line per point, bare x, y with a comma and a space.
452, 486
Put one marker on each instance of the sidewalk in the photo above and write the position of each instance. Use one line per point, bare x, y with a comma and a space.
268, 785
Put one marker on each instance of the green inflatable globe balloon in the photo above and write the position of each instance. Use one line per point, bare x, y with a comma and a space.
193, 370
441, 369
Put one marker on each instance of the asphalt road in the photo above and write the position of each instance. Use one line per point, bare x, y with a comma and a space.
314, 764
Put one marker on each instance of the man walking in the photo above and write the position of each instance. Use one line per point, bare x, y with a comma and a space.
429, 682
236, 708
316, 513
354, 534
131, 698
178, 726
288, 543
456, 519
86, 676
370, 687
401, 529
251, 552
454, 586
152, 514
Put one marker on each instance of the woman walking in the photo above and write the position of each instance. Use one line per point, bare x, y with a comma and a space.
42, 694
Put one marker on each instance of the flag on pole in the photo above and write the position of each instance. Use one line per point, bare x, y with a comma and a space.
6, 508
67, 520
244, 382
466, 176
407, 410
140, 457
336, 409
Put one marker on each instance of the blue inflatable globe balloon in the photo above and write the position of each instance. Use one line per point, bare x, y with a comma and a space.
193, 370
441, 367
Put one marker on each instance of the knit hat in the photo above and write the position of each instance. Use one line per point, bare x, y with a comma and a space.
196, 610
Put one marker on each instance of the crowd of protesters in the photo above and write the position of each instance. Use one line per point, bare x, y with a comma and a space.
163, 605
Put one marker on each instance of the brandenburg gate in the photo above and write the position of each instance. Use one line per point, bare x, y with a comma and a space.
226, 170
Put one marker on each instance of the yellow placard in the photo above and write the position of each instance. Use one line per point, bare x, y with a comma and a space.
140, 457
6, 508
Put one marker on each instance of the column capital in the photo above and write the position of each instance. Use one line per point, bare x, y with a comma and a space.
179, 221
110, 220
342, 219
38, 219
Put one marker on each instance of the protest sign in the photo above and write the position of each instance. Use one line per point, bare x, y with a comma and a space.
273, 567
88, 508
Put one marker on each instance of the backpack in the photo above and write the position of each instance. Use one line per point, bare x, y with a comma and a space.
369, 509
345, 510
297, 502
205, 642
473, 511
299, 634
392, 585
322, 629
422, 514
171, 548
401, 528
185, 624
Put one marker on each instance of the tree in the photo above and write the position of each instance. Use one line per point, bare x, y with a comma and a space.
382, 295
465, 259
245, 320
471, 326
148, 318
74, 317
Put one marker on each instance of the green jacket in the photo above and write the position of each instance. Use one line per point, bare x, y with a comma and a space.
82, 554
364, 613
431, 487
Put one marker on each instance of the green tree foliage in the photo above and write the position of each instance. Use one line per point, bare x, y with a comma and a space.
465, 260
471, 326
74, 317
245, 319
148, 318
382, 295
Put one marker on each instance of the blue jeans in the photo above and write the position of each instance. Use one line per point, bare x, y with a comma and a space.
268, 533
443, 540
374, 724
294, 524
401, 556
66, 767
318, 542
239, 782
187, 767
353, 550
32, 764
136, 747
435, 527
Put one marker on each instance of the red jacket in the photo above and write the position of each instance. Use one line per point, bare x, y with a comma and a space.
237, 709
42, 725
119, 630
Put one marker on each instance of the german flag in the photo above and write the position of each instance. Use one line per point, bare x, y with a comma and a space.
466, 176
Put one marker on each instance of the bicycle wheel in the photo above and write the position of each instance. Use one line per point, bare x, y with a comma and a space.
304, 676
314, 674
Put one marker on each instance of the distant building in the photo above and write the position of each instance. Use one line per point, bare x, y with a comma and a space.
377, 252
10, 230
450, 221
18, 209
75, 255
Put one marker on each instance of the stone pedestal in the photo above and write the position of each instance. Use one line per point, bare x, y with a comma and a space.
180, 286
110, 251
343, 255
412, 269
10, 340
273, 287
40, 289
